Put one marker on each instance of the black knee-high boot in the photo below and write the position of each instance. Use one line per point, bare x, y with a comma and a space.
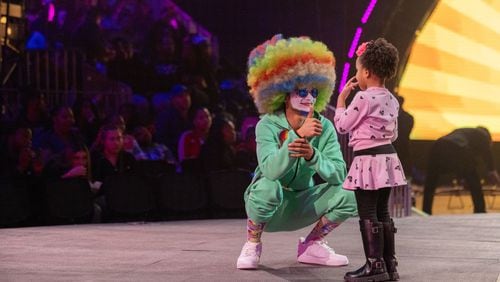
373, 243
390, 250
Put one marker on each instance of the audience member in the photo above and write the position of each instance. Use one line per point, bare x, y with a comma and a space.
87, 119
108, 156
219, 151
129, 142
148, 150
197, 60
61, 135
191, 141
246, 151
161, 59
34, 113
19, 159
174, 120
125, 66
19, 163
73, 162
89, 36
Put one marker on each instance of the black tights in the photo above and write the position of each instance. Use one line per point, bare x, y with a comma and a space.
373, 204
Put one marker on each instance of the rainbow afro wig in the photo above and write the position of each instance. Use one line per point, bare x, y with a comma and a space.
280, 65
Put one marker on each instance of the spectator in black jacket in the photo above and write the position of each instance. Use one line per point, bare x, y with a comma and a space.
457, 153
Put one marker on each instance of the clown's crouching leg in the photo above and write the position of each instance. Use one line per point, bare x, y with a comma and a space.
336, 205
262, 199
275, 208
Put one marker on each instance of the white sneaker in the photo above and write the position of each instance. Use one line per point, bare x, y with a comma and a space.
250, 256
318, 252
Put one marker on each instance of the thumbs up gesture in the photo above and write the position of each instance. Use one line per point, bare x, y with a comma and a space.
311, 126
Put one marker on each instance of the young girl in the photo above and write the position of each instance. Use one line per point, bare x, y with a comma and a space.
371, 121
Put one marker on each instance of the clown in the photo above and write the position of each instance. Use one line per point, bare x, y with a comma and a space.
291, 81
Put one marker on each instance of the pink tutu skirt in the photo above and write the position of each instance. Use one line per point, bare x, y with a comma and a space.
372, 172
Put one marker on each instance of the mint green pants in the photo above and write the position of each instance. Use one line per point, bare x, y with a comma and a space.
284, 210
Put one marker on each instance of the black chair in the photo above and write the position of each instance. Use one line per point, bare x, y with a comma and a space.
69, 201
14, 202
227, 188
153, 169
127, 197
182, 196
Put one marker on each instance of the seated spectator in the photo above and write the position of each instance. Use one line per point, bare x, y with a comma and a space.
73, 162
34, 113
124, 66
249, 119
19, 163
246, 154
160, 102
108, 156
19, 159
150, 150
197, 59
89, 36
219, 151
198, 89
129, 143
174, 120
191, 140
61, 135
131, 117
160, 58
87, 119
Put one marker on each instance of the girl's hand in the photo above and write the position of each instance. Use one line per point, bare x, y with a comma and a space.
301, 148
348, 87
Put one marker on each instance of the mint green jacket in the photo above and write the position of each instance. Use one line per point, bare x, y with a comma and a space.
276, 164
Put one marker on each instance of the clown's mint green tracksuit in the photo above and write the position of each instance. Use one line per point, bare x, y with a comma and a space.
282, 193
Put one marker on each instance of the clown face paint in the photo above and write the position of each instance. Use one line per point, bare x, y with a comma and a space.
302, 104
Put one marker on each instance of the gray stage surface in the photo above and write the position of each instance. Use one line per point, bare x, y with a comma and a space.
439, 248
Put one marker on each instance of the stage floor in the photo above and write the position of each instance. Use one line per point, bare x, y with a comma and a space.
438, 248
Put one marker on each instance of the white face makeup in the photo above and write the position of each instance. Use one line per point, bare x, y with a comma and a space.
302, 104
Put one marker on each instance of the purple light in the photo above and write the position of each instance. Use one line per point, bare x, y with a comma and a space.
345, 73
174, 24
355, 41
52, 12
368, 11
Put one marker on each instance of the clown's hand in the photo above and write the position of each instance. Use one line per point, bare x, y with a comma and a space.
311, 126
300, 148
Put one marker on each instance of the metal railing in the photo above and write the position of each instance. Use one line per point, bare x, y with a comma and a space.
62, 76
